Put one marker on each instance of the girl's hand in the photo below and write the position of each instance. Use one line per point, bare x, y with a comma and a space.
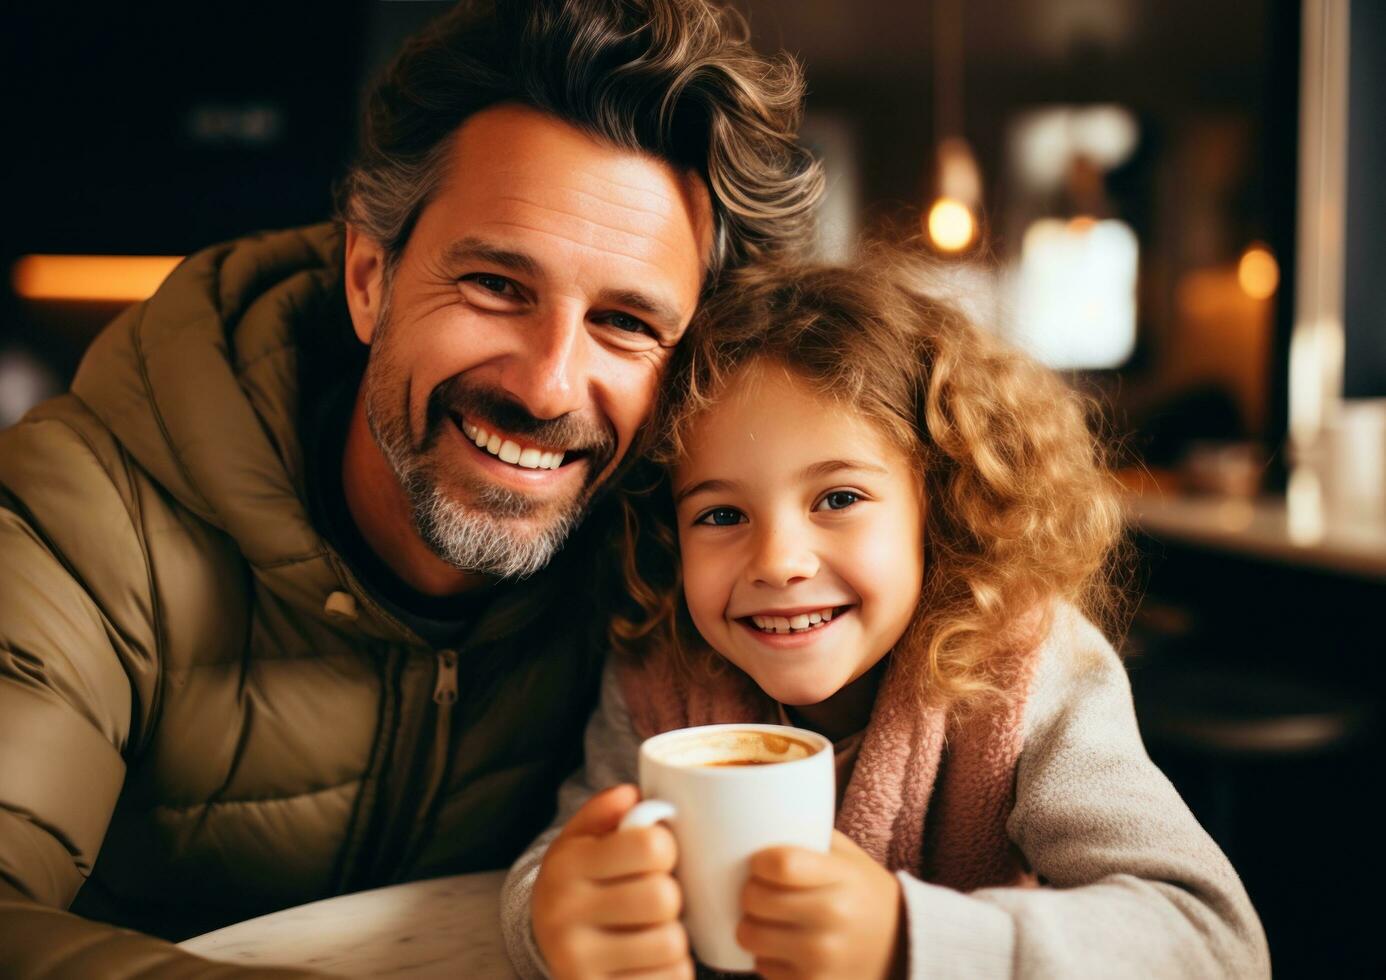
806, 914
605, 901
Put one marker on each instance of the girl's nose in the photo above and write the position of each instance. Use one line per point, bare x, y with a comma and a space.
781, 558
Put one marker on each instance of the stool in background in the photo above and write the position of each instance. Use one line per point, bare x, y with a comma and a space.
1222, 717
1279, 771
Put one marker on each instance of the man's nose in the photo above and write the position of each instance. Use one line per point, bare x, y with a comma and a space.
782, 557
547, 373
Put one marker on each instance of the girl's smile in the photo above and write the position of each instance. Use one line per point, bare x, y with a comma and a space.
794, 630
800, 535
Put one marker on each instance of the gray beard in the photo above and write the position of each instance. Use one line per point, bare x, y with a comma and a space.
479, 537
482, 538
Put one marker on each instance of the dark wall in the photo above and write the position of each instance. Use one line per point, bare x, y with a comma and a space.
1365, 297
162, 127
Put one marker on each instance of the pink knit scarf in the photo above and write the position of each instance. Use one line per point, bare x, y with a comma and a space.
926, 796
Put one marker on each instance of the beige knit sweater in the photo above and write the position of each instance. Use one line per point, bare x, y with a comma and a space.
1134, 887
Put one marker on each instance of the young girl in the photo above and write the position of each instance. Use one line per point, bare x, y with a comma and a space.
876, 522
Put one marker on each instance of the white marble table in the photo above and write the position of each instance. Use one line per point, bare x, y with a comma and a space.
444, 927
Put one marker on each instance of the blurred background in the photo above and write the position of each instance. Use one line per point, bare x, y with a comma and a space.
1178, 204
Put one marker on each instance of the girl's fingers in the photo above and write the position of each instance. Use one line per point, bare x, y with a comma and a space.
652, 948
643, 901
637, 851
802, 907
775, 970
796, 867
682, 970
602, 812
771, 940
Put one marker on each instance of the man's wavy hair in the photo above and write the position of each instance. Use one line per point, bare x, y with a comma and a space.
1020, 510
676, 79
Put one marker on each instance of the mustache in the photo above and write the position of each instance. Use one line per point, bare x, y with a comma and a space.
481, 405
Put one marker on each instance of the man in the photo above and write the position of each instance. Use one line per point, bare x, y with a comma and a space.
281, 618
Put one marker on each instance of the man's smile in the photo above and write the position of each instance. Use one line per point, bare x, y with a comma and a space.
513, 450
514, 460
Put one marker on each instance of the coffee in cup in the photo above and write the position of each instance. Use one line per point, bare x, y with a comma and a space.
733, 746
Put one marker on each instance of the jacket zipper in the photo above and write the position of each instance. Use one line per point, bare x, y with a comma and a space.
444, 697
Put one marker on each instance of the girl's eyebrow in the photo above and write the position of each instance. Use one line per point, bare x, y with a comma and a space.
813, 471
828, 467
704, 486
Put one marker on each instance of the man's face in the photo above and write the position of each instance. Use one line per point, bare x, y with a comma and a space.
516, 351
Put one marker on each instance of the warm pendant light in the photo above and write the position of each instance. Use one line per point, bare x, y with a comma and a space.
950, 223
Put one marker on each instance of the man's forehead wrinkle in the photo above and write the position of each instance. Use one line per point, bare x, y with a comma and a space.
651, 236
619, 192
656, 213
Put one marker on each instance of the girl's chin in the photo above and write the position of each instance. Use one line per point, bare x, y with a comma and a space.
792, 694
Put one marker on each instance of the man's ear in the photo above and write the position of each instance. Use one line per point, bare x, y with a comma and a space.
365, 276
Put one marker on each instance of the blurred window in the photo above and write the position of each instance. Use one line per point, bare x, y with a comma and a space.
1075, 293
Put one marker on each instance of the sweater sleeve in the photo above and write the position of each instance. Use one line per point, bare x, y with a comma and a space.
610, 749
1133, 886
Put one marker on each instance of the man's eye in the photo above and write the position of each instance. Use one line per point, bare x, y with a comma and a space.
838, 500
499, 285
720, 517
626, 323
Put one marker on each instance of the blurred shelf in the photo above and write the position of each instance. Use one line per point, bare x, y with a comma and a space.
1265, 528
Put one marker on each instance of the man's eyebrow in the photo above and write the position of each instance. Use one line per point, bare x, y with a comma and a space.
471, 249
703, 486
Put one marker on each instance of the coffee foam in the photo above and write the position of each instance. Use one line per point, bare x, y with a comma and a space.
732, 748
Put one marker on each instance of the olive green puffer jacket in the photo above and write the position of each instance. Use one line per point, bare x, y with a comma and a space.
193, 684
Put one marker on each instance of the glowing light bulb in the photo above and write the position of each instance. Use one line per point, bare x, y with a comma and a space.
1257, 272
950, 225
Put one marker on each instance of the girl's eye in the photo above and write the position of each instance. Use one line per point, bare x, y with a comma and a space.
720, 517
838, 500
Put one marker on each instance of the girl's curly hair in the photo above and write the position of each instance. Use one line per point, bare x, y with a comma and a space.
1021, 511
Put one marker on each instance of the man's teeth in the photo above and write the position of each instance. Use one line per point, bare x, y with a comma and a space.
801, 623
509, 451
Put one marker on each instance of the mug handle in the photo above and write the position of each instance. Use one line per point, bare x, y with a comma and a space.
647, 813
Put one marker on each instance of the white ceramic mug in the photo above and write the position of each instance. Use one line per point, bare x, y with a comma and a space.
722, 809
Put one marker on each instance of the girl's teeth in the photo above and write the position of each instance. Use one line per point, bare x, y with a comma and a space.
797, 624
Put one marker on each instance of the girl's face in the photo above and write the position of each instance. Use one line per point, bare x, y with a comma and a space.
801, 536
